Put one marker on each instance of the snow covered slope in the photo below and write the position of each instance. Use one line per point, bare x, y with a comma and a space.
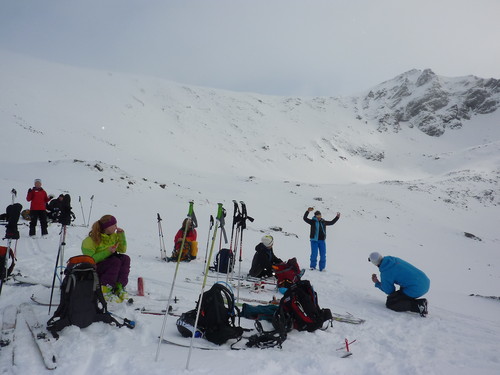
143, 146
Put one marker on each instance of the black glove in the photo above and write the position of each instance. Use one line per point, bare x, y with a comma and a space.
29, 190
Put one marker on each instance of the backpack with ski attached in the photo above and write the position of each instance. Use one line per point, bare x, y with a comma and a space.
217, 315
223, 262
82, 301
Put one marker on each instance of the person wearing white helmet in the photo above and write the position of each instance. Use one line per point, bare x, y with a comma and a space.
264, 258
413, 283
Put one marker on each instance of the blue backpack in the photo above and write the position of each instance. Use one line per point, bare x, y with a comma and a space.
224, 261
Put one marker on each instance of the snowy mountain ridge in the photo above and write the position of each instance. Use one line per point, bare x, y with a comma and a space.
430, 102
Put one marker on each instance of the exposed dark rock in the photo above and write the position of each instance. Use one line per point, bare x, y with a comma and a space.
429, 102
471, 236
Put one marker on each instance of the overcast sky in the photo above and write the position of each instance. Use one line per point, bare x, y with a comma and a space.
277, 47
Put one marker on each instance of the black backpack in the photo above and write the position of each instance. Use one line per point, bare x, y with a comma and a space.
65, 214
299, 308
82, 301
217, 315
224, 261
12, 216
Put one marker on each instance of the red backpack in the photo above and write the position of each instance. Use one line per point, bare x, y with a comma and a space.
287, 273
299, 308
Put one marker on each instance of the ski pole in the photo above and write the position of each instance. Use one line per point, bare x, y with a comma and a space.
83, 213
163, 250
236, 218
208, 239
189, 216
243, 225
219, 222
63, 244
90, 211
61, 249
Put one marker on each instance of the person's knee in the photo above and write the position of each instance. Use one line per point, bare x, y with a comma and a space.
125, 260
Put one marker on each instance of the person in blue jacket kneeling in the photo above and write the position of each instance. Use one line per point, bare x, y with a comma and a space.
413, 283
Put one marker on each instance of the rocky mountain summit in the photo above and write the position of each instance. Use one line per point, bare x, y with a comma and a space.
430, 102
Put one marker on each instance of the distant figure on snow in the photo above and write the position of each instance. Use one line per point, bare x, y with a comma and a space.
318, 237
190, 250
412, 282
264, 258
107, 244
39, 199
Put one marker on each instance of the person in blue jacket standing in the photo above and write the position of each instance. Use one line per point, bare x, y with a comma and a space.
413, 283
318, 237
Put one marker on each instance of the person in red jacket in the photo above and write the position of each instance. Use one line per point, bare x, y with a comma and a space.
39, 199
190, 250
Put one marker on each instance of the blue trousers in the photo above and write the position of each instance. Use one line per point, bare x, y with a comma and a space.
318, 246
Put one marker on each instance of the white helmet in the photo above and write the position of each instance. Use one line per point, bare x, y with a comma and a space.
267, 240
375, 258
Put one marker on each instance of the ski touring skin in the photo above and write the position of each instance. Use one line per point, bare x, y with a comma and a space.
42, 338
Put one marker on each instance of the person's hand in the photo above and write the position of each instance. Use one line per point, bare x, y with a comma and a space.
119, 230
51, 196
338, 214
29, 190
310, 209
375, 278
112, 249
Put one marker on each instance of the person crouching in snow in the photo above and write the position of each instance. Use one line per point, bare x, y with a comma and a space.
264, 258
107, 244
412, 282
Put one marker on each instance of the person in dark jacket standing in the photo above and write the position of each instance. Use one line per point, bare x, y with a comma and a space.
264, 258
39, 199
412, 282
318, 237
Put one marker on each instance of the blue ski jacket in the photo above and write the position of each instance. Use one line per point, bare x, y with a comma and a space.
413, 282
